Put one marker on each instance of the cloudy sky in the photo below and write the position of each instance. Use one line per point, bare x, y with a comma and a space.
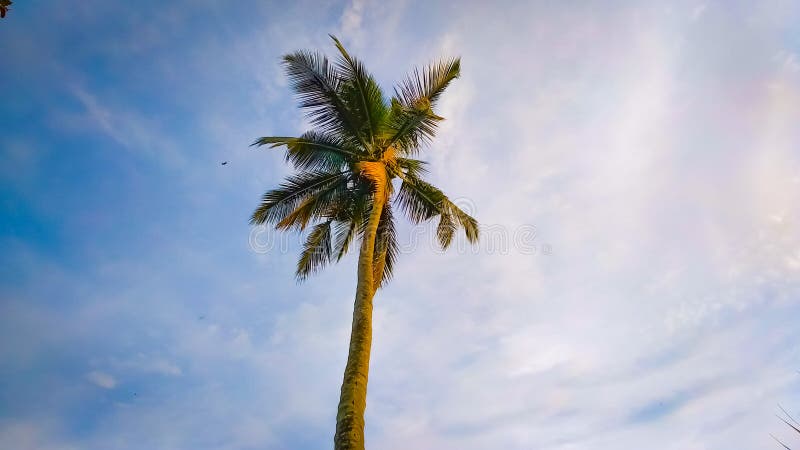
635, 167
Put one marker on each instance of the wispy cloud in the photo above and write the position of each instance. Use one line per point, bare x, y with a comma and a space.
130, 129
148, 364
102, 379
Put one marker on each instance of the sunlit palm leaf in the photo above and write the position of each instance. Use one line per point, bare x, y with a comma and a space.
428, 83
277, 203
412, 122
446, 228
467, 222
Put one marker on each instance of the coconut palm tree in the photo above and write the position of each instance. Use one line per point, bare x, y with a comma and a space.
354, 166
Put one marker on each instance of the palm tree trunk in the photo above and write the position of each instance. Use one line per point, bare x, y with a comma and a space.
353, 400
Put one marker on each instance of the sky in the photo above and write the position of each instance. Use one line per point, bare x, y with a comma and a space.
635, 167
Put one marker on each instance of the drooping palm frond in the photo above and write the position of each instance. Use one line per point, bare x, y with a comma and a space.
345, 232
323, 204
386, 248
446, 228
467, 222
278, 203
419, 200
361, 93
422, 201
316, 251
346, 211
350, 214
317, 85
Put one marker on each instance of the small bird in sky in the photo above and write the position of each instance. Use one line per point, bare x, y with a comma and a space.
224, 163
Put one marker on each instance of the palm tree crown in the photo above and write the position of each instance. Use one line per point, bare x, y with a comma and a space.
359, 139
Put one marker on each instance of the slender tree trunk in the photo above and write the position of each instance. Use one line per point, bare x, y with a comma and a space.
353, 400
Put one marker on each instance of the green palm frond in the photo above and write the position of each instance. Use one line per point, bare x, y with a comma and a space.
408, 129
446, 228
278, 203
314, 150
317, 85
323, 204
316, 251
345, 232
419, 200
413, 168
467, 222
386, 248
361, 93
350, 213
412, 122
422, 201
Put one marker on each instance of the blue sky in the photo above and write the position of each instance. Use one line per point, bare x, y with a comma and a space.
635, 167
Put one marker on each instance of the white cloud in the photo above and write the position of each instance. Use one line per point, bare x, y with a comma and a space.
128, 128
698, 11
22, 435
788, 60
352, 17
102, 379
148, 364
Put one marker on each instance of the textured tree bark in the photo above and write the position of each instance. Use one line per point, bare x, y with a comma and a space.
353, 399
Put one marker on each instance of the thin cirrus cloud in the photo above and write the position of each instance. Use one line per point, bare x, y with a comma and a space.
650, 147
102, 379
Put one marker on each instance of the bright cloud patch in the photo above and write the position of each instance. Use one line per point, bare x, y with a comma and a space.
102, 379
